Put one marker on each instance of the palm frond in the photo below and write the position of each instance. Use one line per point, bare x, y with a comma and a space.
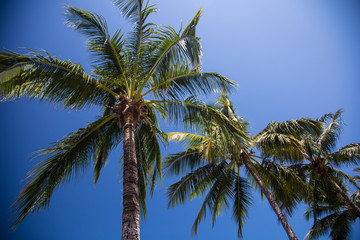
209, 149
49, 79
178, 84
140, 47
242, 201
149, 135
322, 226
343, 175
328, 138
341, 227
193, 182
185, 161
172, 48
196, 115
349, 154
217, 196
190, 139
322, 210
66, 158
287, 185
106, 50
281, 146
281, 140
111, 137
131, 9
296, 127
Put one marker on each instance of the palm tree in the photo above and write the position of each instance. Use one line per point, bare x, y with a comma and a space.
319, 163
214, 160
337, 220
158, 63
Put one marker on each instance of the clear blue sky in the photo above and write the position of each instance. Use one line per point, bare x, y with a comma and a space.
291, 59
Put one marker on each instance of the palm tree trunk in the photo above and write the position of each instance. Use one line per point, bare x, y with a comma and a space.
130, 216
343, 194
272, 201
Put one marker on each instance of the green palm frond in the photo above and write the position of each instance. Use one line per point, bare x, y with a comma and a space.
149, 134
195, 115
190, 139
286, 184
242, 201
337, 220
106, 50
221, 192
343, 175
349, 154
296, 127
218, 195
209, 149
140, 48
178, 83
143, 170
328, 138
338, 224
185, 161
341, 227
111, 138
50, 79
322, 226
131, 9
148, 154
281, 146
322, 192
281, 140
322, 210
66, 158
192, 184
172, 48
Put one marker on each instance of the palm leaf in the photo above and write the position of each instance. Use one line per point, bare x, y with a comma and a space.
195, 115
322, 226
281, 139
130, 8
341, 227
140, 47
107, 50
286, 184
242, 201
111, 137
349, 154
185, 161
172, 48
184, 83
50, 79
192, 182
328, 138
66, 158
217, 196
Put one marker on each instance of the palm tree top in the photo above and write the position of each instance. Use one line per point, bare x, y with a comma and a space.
149, 72
212, 160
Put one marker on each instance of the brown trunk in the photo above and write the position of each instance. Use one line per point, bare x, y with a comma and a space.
130, 216
272, 201
343, 194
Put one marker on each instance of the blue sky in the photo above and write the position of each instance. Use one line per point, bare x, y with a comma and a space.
291, 59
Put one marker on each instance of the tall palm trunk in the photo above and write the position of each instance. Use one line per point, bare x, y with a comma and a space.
343, 194
272, 201
130, 216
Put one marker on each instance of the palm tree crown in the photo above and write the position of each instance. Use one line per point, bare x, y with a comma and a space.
133, 80
314, 156
214, 160
336, 218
